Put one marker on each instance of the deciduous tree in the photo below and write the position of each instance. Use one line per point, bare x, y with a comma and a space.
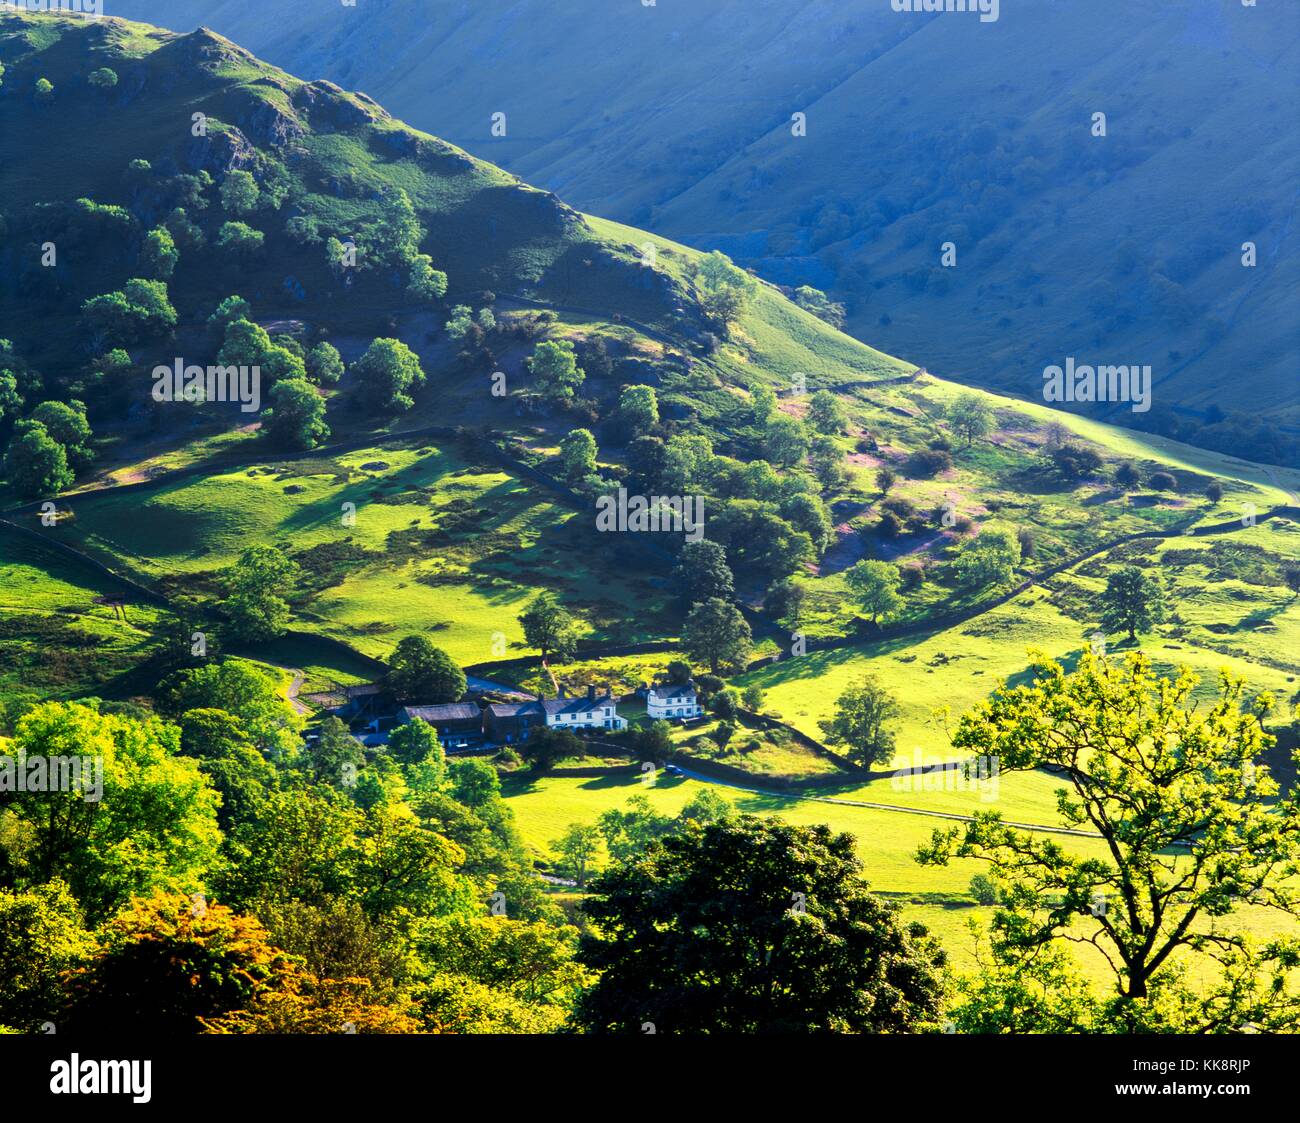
970, 417
420, 671
752, 925
576, 851
141, 816
989, 559
717, 633
826, 414
861, 723
549, 627
261, 579
1133, 601
577, 454
555, 366
702, 573
297, 416
1192, 825
36, 465
386, 374
875, 583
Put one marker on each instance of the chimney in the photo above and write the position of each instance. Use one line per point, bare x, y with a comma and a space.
591, 692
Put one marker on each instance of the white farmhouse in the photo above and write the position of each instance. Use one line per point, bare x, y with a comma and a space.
669, 700
587, 712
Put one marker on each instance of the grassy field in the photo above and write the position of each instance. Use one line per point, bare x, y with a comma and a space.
956, 668
323, 669
887, 841
462, 547
755, 750
55, 641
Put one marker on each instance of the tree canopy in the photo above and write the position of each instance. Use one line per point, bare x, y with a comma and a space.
752, 925
1192, 824
419, 671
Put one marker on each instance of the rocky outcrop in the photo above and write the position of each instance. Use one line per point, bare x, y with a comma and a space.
431, 154
329, 107
202, 49
267, 123
222, 150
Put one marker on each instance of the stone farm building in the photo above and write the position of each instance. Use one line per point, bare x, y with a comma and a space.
463, 725
508, 723
459, 724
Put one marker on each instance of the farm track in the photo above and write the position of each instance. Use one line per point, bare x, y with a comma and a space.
795, 794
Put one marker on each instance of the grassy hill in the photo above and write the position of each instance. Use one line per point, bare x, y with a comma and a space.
460, 546
921, 130
448, 517
323, 155
465, 569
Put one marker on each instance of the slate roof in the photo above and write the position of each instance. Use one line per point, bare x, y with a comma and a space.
581, 704
672, 693
448, 711
514, 709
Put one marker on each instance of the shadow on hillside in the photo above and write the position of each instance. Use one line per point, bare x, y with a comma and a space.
1258, 618
1280, 758
1034, 480
1027, 675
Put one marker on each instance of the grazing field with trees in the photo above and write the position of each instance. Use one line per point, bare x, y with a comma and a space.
497, 619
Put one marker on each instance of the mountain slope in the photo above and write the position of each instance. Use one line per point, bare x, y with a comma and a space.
445, 511
324, 156
787, 498
921, 130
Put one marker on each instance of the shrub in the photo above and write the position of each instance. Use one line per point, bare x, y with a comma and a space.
925, 463
984, 889
1127, 476
1075, 462
709, 684
890, 525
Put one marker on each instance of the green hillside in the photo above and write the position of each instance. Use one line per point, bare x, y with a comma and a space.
455, 436
465, 571
920, 131
329, 158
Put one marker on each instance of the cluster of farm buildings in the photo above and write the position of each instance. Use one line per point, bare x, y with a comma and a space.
372, 713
